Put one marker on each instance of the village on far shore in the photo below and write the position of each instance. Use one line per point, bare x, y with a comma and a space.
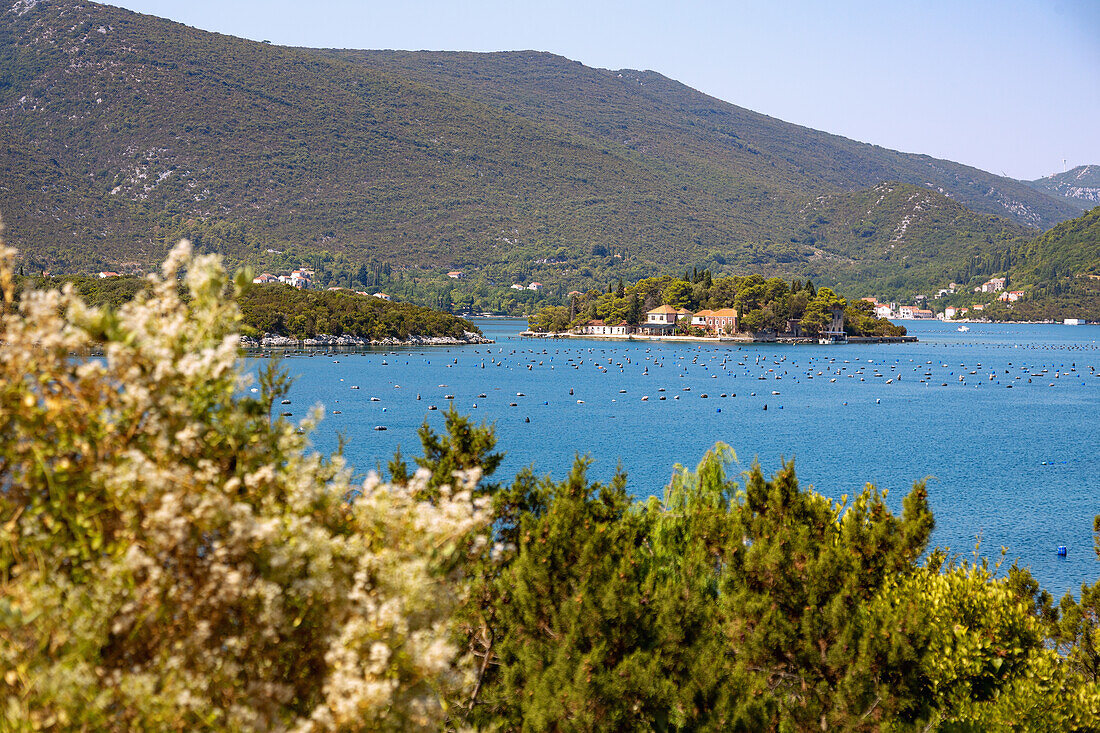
916, 312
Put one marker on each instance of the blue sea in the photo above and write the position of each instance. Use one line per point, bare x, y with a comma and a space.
1009, 450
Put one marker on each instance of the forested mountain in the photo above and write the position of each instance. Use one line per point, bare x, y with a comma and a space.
123, 132
1080, 186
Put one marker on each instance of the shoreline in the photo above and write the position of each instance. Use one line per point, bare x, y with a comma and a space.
270, 340
790, 340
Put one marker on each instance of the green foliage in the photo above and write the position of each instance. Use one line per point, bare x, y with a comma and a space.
762, 608
172, 557
287, 311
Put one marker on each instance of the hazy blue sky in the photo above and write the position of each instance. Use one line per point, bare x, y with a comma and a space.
1011, 86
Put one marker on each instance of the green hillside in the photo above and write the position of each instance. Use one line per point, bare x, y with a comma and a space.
669, 121
1080, 186
123, 132
910, 239
1069, 250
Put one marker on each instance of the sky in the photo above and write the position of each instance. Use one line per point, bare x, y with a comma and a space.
1009, 86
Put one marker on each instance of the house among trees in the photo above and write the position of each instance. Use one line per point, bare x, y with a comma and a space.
663, 320
723, 320
991, 286
599, 328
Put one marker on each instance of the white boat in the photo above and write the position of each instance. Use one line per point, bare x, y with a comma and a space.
963, 329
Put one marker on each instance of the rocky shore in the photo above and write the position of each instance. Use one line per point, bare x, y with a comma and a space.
327, 341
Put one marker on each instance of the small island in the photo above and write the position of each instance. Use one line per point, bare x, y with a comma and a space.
700, 306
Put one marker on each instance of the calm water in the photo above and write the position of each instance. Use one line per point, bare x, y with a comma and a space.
1010, 460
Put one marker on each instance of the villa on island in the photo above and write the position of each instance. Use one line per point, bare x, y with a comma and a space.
723, 320
663, 321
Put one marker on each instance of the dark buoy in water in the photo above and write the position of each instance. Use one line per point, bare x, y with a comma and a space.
1061, 550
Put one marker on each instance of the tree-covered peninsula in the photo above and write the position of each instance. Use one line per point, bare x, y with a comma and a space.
760, 305
283, 311
173, 556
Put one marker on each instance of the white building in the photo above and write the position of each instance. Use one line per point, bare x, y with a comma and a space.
994, 285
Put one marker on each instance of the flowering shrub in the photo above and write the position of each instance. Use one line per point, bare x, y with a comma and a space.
173, 558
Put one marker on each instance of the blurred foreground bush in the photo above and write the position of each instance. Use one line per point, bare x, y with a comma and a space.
172, 558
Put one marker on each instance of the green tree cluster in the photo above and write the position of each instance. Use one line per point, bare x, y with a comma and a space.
763, 304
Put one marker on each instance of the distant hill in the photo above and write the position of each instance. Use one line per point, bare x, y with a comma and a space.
1059, 273
908, 239
123, 132
1070, 250
1080, 186
669, 121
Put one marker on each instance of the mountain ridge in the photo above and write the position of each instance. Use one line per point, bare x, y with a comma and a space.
1079, 185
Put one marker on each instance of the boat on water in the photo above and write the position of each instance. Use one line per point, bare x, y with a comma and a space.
963, 329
